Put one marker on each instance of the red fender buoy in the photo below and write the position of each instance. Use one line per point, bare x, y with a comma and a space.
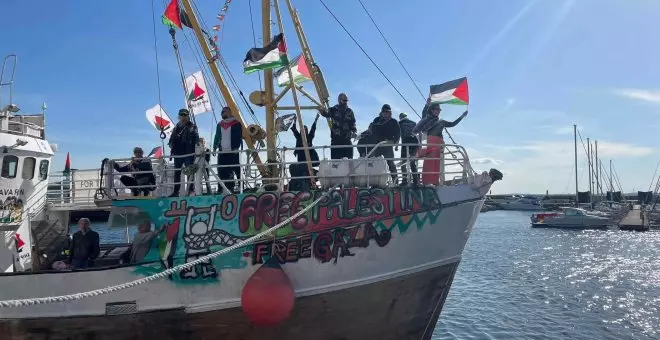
267, 297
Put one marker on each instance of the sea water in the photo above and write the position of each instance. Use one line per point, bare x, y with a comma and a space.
516, 282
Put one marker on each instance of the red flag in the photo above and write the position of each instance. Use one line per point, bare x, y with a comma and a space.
156, 152
171, 16
67, 164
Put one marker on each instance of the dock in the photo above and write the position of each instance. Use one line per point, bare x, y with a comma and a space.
634, 220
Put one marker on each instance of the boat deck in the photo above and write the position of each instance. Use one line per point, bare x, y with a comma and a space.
634, 220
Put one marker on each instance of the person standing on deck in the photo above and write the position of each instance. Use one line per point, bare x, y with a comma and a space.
385, 128
432, 125
138, 163
343, 128
183, 141
85, 246
408, 137
300, 153
228, 139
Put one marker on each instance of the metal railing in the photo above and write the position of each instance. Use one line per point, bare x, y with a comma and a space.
452, 163
73, 191
18, 125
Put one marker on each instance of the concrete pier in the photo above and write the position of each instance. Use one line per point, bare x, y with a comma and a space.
634, 220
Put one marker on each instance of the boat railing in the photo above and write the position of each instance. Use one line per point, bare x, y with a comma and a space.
23, 125
73, 190
452, 167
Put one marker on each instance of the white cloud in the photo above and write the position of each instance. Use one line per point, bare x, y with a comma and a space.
486, 161
652, 96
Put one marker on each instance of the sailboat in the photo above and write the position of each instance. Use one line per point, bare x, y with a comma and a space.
353, 257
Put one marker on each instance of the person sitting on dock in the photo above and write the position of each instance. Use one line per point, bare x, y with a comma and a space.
432, 125
407, 137
85, 246
228, 139
138, 163
300, 153
385, 128
343, 128
183, 141
142, 241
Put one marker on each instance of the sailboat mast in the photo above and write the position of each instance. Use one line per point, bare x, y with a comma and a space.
589, 166
598, 189
271, 134
220, 81
577, 204
611, 185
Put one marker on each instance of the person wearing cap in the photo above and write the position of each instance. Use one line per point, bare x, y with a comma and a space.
432, 125
183, 141
138, 164
408, 137
385, 128
343, 128
228, 139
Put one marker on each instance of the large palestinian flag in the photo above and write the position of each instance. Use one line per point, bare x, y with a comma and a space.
452, 92
271, 56
299, 70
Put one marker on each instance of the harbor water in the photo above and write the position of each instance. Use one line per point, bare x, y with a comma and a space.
516, 282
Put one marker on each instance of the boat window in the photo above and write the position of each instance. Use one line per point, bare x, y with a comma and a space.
43, 170
29, 164
9, 166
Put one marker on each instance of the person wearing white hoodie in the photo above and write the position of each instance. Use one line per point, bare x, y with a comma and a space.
228, 139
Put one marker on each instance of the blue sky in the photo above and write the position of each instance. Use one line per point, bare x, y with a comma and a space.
535, 67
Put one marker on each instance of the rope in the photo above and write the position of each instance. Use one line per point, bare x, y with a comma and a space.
391, 49
181, 72
134, 283
369, 57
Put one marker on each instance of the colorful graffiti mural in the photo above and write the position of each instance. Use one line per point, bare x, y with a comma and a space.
342, 221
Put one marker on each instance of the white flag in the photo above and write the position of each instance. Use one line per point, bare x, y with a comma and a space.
198, 97
159, 119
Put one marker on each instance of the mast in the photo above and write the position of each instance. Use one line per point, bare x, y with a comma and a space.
589, 165
598, 189
577, 204
221, 82
611, 186
271, 134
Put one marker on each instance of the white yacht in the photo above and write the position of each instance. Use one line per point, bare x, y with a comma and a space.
523, 203
571, 218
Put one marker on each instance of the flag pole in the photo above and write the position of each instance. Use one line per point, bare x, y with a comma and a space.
294, 93
221, 83
271, 134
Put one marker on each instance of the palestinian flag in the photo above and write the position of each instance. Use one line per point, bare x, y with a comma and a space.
175, 16
298, 68
67, 164
269, 57
452, 92
156, 152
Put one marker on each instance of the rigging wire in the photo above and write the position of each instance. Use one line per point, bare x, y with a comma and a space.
254, 39
369, 57
654, 173
160, 103
391, 49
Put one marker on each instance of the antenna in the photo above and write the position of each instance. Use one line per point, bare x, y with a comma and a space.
11, 76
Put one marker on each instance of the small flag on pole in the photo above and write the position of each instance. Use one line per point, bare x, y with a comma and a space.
156, 152
67, 165
269, 57
299, 70
452, 92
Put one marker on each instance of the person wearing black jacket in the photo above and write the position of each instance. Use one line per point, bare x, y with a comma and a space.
343, 128
300, 153
407, 137
386, 128
85, 246
138, 163
183, 141
228, 139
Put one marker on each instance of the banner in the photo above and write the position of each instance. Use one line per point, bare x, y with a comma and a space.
159, 119
198, 97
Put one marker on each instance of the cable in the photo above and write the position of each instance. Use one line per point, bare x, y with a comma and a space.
254, 39
369, 57
391, 49
160, 103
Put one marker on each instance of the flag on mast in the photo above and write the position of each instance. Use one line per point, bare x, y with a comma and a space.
198, 97
298, 68
67, 164
452, 92
160, 120
175, 16
269, 57
156, 152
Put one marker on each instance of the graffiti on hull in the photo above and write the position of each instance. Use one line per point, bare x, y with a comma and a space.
342, 222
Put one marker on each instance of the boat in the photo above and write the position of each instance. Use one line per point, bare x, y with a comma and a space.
356, 256
570, 218
523, 203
